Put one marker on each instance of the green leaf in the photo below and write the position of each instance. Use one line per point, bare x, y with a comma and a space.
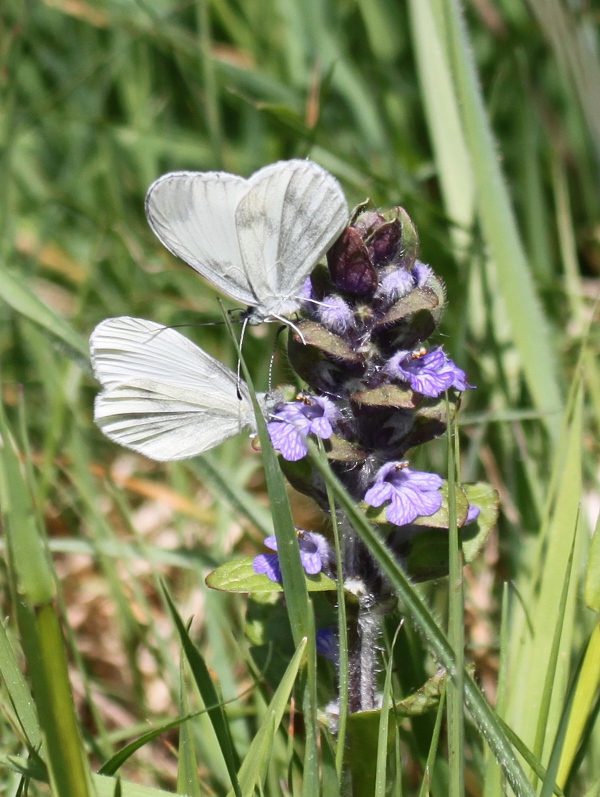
425, 555
419, 300
239, 576
320, 338
424, 699
474, 536
388, 396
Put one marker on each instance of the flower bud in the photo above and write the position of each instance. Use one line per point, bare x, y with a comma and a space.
350, 265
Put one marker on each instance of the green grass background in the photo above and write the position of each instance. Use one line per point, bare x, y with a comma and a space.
486, 128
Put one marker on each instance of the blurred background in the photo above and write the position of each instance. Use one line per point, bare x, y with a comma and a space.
99, 99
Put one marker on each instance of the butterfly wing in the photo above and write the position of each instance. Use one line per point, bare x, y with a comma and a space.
193, 215
289, 218
256, 240
162, 395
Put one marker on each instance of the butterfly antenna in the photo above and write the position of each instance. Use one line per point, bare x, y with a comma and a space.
272, 361
178, 326
317, 302
245, 323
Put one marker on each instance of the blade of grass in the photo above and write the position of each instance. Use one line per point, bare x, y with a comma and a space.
551, 674
310, 772
384, 722
210, 696
294, 582
343, 671
19, 296
433, 747
527, 689
528, 324
576, 56
105, 787
259, 751
39, 624
585, 694
20, 694
187, 766
493, 772
443, 121
211, 89
456, 630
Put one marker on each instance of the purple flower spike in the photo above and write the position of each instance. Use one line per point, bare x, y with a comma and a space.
315, 555
296, 419
427, 372
412, 493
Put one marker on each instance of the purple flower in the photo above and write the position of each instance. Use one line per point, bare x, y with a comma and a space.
472, 514
328, 645
395, 285
315, 554
336, 314
296, 419
421, 273
427, 372
411, 493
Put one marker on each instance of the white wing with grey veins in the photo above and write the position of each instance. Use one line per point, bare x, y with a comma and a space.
162, 395
257, 240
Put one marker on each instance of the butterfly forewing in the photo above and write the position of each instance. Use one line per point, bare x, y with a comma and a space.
291, 215
193, 215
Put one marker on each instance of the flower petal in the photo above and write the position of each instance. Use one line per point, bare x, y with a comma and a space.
287, 440
268, 564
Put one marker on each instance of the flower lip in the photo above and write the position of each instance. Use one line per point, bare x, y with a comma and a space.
315, 555
295, 420
411, 493
429, 372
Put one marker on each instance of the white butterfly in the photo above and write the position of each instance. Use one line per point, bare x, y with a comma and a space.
162, 395
257, 240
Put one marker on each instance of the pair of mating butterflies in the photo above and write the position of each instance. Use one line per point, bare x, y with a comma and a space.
257, 240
